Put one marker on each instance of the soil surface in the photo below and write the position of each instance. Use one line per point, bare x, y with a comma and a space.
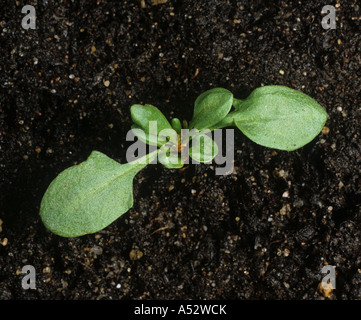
262, 232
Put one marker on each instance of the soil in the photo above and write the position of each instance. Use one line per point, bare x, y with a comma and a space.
262, 232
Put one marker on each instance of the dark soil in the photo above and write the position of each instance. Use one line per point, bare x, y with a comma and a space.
263, 232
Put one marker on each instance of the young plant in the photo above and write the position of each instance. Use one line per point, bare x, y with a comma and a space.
86, 198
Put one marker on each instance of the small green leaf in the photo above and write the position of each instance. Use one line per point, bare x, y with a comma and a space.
177, 125
169, 155
237, 103
279, 117
147, 138
211, 107
86, 198
203, 148
178, 165
150, 119
170, 160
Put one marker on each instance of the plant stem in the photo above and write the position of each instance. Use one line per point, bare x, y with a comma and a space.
148, 158
228, 120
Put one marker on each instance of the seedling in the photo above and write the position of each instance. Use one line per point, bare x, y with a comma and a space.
86, 198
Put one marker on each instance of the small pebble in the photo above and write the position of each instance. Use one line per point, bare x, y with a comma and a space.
4, 242
285, 209
325, 130
97, 250
135, 254
286, 253
46, 270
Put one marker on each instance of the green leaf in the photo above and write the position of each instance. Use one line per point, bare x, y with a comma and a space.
170, 160
147, 138
279, 117
86, 198
211, 107
177, 125
237, 103
169, 155
145, 115
203, 148
177, 165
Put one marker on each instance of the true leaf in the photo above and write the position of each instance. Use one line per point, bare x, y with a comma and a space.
150, 119
203, 148
279, 117
169, 154
170, 159
87, 197
176, 125
211, 107
237, 103
150, 139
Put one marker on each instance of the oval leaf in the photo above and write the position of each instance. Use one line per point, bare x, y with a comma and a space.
203, 148
170, 161
176, 125
86, 198
279, 117
169, 155
147, 138
150, 119
211, 107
